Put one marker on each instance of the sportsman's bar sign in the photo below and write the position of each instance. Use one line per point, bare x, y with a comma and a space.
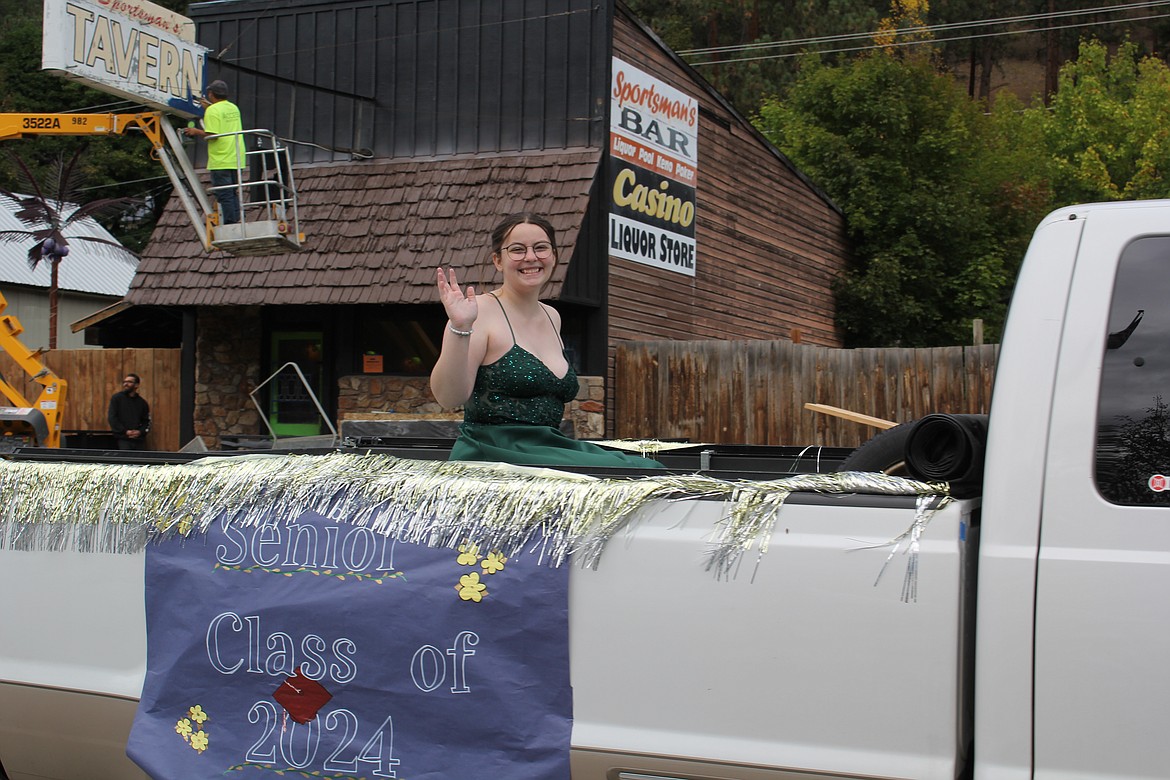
653, 151
308, 647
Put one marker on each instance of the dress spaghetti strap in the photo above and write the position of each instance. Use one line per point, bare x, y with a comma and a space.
546, 314
505, 311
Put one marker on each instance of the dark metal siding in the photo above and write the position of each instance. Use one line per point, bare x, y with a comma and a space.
415, 78
586, 278
583, 294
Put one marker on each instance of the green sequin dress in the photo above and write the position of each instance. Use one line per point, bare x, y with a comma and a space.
514, 416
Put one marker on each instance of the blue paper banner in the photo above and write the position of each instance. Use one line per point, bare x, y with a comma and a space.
310, 648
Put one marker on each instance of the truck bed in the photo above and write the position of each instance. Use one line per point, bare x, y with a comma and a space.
798, 662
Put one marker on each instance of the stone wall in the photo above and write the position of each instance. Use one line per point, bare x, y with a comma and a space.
227, 368
361, 394
587, 411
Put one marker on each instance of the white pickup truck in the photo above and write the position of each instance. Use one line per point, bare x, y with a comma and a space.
1029, 637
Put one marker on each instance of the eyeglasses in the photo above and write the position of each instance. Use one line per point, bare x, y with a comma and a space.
542, 250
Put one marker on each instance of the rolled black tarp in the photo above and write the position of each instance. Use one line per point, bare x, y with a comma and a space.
949, 448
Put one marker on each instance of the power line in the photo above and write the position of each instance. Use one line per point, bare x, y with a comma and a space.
951, 26
920, 29
112, 185
931, 41
924, 28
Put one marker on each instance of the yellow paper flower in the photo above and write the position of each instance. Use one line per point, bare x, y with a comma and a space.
470, 588
493, 563
468, 555
197, 714
183, 729
199, 741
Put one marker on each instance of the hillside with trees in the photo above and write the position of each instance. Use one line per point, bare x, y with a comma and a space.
942, 179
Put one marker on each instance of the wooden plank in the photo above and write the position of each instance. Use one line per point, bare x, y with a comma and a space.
163, 367
89, 389
635, 388
856, 417
625, 397
772, 387
757, 367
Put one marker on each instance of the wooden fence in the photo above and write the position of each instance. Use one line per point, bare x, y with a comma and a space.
721, 392
754, 392
96, 374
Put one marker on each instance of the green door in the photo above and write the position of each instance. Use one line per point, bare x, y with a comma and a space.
291, 411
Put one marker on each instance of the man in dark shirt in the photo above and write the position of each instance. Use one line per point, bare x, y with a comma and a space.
129, 415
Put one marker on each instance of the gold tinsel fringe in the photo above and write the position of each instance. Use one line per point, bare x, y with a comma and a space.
118, 508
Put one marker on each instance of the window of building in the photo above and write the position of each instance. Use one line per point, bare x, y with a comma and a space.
403, 340
1133, 419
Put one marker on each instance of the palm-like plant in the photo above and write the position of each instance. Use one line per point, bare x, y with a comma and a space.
49, 218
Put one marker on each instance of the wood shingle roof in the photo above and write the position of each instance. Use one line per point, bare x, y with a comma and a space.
376, 231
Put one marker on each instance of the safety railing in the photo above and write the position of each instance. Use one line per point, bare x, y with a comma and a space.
267, 198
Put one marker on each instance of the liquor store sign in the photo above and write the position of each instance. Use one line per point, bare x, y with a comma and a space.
653, 152
131, 48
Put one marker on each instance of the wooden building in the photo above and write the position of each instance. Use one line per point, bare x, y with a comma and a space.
418, 124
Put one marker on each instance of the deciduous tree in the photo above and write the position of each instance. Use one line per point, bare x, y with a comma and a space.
898, 146
1108, 130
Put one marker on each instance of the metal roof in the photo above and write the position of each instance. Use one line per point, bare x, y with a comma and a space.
89, 268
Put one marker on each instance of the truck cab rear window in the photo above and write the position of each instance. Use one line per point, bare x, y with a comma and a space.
1133, 420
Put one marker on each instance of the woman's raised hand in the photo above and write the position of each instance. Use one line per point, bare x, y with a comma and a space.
461, 307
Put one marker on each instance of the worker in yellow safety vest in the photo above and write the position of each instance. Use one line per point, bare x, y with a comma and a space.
225, 153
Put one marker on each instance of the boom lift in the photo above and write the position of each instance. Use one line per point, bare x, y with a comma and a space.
40, 423
268, 201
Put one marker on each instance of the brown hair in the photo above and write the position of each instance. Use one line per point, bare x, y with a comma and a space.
502, 230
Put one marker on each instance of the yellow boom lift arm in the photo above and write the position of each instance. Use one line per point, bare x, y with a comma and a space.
268, 203
40, 422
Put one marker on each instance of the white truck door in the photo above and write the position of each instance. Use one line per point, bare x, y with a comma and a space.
1102, 656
